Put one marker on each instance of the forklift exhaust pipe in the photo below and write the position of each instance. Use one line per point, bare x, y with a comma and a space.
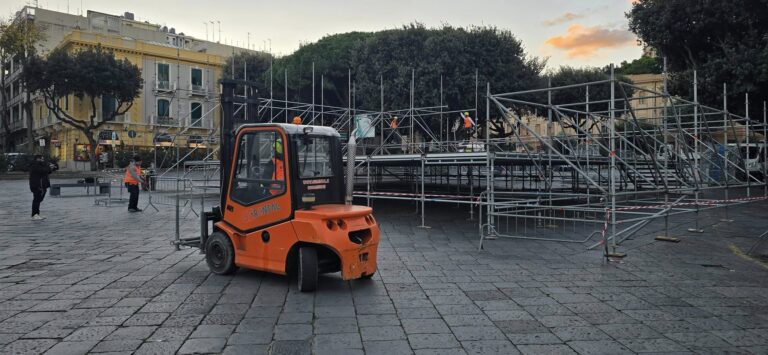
351, 150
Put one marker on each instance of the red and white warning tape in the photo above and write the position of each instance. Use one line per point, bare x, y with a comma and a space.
404, 194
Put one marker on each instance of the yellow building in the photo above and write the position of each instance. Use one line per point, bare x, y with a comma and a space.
177, 105
646, 103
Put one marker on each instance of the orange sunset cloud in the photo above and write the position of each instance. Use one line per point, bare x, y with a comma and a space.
581, 41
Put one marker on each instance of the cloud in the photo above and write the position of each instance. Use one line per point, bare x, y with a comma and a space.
566, 17
585, 42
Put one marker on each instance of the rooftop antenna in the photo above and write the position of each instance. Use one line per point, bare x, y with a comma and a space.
219, 22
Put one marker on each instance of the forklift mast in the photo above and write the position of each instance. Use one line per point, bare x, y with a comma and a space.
249, 103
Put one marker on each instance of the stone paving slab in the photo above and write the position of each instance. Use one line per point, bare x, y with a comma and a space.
99, 280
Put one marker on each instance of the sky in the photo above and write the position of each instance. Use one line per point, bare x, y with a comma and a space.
576, 33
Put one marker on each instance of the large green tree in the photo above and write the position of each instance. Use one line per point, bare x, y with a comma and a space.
334, 57
391, 56
91, 75
249, 66
724, 41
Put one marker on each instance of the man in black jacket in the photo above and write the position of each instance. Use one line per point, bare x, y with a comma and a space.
39, 183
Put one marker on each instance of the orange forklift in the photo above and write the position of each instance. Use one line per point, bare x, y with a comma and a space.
282, 201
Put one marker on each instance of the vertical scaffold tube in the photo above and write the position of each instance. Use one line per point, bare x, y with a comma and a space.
351, 148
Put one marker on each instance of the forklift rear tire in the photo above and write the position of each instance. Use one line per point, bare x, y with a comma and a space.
219, 254
307, 269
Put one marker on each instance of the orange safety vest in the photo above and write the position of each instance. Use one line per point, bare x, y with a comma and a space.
128, 178
467, 122
278, 174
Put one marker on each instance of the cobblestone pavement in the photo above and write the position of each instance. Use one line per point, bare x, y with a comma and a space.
97, 279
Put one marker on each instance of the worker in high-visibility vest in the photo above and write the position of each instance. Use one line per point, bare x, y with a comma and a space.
468, 122
278, 170
296, 120
132, 180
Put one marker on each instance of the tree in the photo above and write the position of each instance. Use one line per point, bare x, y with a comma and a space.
91, 75
255, 65
333, 57
724, 41
642, 65
393, 55
17, 42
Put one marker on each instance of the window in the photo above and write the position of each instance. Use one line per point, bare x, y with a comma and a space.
259, 171
196, 77
314, 157
163, 76
163, 108
196, 114
163, 111
108, 105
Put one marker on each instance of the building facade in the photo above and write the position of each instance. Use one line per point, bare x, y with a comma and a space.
177, 107
178, 104
647, 104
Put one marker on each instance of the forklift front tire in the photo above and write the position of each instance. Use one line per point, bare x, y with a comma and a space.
220, 254
307, 269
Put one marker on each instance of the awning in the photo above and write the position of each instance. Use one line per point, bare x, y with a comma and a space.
163, 140
108, 137
196, 142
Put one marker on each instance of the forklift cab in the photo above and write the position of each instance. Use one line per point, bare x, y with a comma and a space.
283, 208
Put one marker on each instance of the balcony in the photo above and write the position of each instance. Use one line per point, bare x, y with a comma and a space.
164, 86
198, 90
18, 124
163, 121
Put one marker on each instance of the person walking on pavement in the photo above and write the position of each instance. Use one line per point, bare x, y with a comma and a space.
132, 181
39, 183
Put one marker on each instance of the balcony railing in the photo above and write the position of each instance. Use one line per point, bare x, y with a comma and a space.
164, 85
163, 121
198, 90
17, 125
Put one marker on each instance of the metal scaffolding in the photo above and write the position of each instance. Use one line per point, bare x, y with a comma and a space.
602, 169
636, 162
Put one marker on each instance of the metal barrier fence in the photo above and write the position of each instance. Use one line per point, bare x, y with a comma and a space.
117, 194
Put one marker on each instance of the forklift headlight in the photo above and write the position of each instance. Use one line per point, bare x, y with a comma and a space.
341, 224
330, 225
